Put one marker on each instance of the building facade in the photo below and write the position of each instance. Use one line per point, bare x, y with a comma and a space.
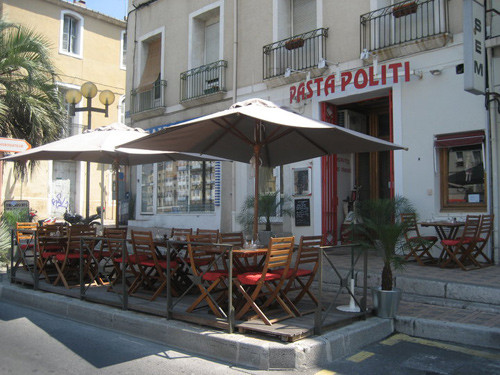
397, 70
86, 46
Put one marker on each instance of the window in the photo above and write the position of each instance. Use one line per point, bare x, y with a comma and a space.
147, 187
295, 17
73, 124
463, 180
123, 56
186, 186
205, 31
121, 110
71, 34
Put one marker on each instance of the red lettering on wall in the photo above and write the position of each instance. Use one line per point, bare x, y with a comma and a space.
330, 84
395, 68
300, 92
360, 73
346, 79
318, 81
309, 89
293, 91
371, 75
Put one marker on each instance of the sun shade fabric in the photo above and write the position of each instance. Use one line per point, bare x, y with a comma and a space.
153, 65
459, 139
286, 136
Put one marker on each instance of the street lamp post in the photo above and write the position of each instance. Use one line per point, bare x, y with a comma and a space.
89, 90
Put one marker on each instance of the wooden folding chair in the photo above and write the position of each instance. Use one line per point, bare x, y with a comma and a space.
151, 268
214, 233
208, 274
233, 238
110, 249
483, 236
67, 264
25, 239
459, 250
180, 234
419, 246
301, 276
51, 241
261, 289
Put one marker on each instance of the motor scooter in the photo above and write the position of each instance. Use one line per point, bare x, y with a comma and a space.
79, 219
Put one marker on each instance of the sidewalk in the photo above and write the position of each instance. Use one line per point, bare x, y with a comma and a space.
449, 305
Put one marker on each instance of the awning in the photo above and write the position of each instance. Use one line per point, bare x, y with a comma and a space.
459, 139
153, 66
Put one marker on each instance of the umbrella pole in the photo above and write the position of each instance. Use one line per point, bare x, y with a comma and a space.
256, 153
116, 168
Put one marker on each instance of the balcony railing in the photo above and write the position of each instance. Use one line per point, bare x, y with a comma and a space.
299, 52
148, 99
403, 22
204, 80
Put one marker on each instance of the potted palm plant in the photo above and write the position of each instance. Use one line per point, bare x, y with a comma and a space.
270, 205
379, 227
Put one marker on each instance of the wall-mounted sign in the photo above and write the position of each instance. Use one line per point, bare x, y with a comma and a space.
13, 145
360, 78
302, 212
474, 51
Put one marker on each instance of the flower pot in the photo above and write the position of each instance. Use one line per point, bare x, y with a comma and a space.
294, 43
386, 302
404, 9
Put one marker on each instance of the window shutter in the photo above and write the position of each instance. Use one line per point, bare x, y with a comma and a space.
212, 43
153, 65
65, 40
303, 16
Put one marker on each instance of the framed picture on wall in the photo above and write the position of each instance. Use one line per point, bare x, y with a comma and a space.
302, 181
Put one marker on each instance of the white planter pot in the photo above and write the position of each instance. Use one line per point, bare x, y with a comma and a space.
386, 302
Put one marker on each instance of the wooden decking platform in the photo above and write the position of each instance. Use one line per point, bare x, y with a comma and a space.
288, 330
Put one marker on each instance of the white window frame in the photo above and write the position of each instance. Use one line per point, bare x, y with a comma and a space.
143, 53
80, 28
282, 18
192, 39
121, 109
123, 50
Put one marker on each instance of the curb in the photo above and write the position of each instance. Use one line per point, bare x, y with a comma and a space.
237, 349
466, 334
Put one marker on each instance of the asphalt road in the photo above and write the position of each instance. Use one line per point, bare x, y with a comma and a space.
32, 342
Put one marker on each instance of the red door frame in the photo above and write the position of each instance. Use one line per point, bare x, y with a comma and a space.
329, 198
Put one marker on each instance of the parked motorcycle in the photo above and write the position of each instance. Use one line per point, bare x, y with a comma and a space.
79, 219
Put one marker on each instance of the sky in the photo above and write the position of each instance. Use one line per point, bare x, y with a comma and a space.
113, 8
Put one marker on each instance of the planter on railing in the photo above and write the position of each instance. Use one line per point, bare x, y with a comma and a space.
294, 43
404, 9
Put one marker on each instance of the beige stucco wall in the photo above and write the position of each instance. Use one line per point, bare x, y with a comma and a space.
100, 64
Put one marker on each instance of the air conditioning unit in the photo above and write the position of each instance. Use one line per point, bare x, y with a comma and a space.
352, 120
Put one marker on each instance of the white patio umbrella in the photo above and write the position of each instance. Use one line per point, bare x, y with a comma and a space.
258, 130
101, 145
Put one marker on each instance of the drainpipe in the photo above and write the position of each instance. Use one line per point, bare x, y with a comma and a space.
235, 99
492, 139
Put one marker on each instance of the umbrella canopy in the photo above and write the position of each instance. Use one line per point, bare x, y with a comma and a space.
101, 145
256, 129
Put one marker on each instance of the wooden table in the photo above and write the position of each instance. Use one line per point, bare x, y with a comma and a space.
446, 230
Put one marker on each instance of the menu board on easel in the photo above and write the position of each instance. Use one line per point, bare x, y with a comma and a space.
302, 212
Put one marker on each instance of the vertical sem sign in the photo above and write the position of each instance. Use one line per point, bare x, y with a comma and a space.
474, 50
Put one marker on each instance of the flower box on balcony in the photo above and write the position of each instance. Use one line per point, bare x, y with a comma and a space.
294, 43
404, 9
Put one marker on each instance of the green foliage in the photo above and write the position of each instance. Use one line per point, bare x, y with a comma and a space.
5, 242
31, 107
270, 205
379, 227
11, 217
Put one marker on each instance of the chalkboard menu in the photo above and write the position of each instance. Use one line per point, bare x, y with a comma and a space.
302, 213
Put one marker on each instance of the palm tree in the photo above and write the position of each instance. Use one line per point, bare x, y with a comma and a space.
379, 227
30, 105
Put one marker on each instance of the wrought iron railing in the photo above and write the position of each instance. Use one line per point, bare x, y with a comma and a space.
147, 99
298, 52
403, 22
203, 80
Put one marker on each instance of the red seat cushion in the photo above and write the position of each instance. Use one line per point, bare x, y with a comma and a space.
425, 238
133, 258
161, 263
60, 256
48, 254
26, 246
457, 241
212, 276
252, 278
